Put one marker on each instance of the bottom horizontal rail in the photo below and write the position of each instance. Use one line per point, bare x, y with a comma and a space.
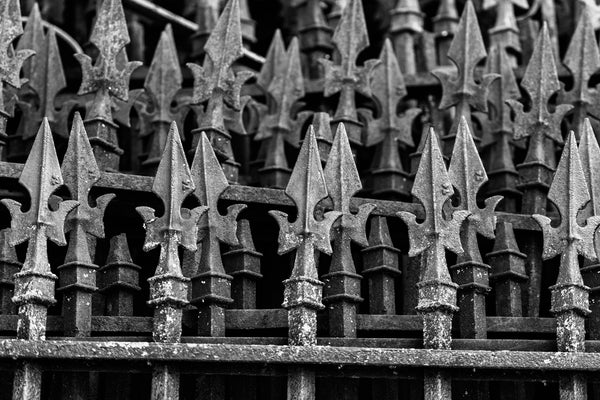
317, 356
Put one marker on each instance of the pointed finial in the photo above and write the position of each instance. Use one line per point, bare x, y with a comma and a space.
467, 174
569, 194
540, 81
168, 287
34, 285
432, 187
589, 153
389, 89
33, 39
466, 51
11, 28
156, 107
80, 173
350, 38
505, 32
321, 123
306, 188
582, 60
274, 61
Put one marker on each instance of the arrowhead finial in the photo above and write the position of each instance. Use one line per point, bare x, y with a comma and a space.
468, 175
11, 28
274, 61
540, 81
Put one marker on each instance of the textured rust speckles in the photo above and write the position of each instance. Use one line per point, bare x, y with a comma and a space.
10, 62
106, 80
168, 287
158, 106
342, 283
77, 276
306, 235
459, 86
34, 284
569, 296
345, 77
217, 86
569, 239
582, 59
211, 286
467, 174
389, 130
279, 125
437, 292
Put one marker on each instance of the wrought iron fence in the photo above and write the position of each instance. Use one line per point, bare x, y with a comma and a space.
404, 211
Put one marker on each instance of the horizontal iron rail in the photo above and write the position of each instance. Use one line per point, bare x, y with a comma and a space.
309, 356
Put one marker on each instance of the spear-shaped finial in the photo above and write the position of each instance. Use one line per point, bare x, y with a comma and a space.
274, 62
582, 60
45, 79
34, 285
168, 287
78, 274
286, 88
437, 292
467, 175
217, 84
10, 62
106, 79
155, 106
390, 130
350, 38
505, 32
342, 283
211, 286
302, 295
569, 298
459, 86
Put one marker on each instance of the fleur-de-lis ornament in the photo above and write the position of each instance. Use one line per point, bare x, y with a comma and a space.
459, 86
211, 286
107, 80
345, 77
569, 298
78, 274
34, 284
154, 103
390, 130
217, 85
45, 79
11, 62
582, 59
436, 291
342, 283
467, 175
168, 287
279, 125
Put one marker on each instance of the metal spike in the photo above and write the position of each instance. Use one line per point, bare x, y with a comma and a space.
321, 123
315, 35
582, 60
106, 79
211, 286
505, 32
274, 62
206, 16
34, 285
389, 129
350, 38
33, 38
467, 174
161, 86
459, 86
569, 239
216, 83
10, 62
445, 24
436, 291
405, 26
342, 283
77, 276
